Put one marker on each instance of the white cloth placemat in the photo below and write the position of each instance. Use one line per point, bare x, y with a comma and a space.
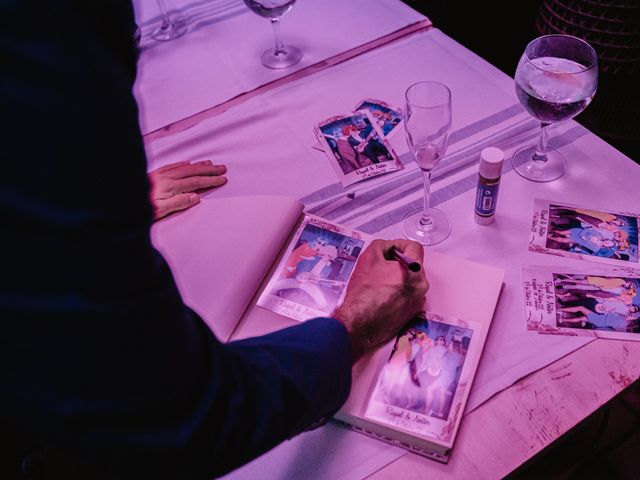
219, 57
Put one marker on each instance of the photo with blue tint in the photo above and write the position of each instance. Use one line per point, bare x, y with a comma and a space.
317, 269
594, 233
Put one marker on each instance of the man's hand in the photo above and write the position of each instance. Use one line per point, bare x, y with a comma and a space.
176, 186
382, 295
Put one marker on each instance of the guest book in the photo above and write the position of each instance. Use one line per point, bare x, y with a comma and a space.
251, 265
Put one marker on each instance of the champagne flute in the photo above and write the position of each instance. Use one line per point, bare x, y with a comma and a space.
556, 79
427, 124
282, 56
172, 26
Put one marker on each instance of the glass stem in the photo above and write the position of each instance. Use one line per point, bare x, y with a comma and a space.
166, 21
426, 221
541, 150
278, 38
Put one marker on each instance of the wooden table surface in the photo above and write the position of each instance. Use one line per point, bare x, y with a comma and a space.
519, 422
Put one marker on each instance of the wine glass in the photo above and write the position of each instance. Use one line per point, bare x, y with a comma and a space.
556, 79
282, 56
427, 124
172, 26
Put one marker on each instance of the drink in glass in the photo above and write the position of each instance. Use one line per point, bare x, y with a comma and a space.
556, 79
427, 123
282, 56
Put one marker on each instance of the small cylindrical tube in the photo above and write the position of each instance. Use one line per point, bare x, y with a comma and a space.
491, 160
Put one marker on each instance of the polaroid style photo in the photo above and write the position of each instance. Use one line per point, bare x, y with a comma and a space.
388, 118
422, 386
602, 305
310, 281
356, 147
593, 235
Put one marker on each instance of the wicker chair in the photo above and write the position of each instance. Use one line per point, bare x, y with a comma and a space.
612, 27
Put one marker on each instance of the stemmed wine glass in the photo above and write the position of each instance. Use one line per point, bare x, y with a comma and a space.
172, 26
282, 56
556, 79
427, 124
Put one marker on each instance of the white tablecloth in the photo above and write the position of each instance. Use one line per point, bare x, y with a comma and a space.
219, 57
266, 144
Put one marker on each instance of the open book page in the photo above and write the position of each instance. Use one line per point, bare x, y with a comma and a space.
220, 250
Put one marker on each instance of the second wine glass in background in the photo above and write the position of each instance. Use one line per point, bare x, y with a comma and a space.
427, 123
172, 26
282, 56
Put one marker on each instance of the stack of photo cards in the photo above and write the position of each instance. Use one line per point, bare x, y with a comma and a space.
596, 301
357, 144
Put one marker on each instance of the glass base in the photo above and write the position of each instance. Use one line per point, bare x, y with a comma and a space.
288, 58
427, 234
537, 170
170, 30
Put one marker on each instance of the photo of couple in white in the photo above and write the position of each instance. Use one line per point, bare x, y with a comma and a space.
424, 368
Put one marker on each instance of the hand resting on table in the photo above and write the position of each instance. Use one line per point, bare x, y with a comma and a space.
176, 186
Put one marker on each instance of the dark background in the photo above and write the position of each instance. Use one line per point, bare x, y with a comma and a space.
499, 31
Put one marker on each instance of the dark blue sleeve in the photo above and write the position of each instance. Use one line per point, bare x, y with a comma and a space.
100, 361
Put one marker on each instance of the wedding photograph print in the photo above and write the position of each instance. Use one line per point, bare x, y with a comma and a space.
594, 235
596, 304
420, 387
311, 279
356, 147
388, 118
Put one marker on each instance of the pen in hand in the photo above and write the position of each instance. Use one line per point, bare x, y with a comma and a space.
408, 262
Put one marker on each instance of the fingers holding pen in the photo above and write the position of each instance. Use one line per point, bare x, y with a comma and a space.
411, 249
406, 255
408, 247
382, 294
